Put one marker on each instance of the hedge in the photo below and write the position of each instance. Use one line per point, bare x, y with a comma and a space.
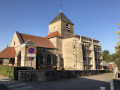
11, 71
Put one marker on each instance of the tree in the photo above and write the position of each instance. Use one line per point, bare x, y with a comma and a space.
106, 56
117, 61
106, 52
113, 57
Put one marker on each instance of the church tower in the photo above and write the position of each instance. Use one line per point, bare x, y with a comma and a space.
61, 24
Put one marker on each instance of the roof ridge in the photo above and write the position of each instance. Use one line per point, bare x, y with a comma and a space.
3, 50
32, 35
8, 53
39, 41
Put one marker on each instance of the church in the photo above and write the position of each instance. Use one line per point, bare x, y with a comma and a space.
60, 48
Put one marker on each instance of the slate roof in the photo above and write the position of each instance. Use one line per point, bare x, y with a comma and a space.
62, 17
54, 34
39, 41
9, 52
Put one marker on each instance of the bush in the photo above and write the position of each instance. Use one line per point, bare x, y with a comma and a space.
11, 71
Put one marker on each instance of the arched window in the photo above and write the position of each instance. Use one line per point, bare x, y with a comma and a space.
48, 60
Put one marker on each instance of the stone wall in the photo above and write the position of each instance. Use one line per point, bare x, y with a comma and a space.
67, 51
36, 75
64, 32
116, 82
5, 62
72, 54
56, 26
60, 26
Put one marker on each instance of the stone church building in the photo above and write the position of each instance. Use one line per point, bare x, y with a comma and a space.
61, 48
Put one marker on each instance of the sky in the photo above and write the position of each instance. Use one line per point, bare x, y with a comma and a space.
97, 19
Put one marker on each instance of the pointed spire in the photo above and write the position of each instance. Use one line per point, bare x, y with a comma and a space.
61, 17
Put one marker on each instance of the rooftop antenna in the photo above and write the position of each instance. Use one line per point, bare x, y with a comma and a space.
60, 7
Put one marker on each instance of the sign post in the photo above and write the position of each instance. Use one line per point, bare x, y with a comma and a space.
31, 55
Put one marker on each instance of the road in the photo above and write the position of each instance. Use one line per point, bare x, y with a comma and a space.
9, 84
84, 83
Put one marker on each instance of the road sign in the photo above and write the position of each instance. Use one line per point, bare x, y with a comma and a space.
31, 55
31, 58
31, 50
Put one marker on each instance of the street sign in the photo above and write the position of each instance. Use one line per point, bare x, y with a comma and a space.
31, 50
31, 58
31, 55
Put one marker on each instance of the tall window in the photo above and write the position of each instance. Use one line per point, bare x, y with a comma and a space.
48, 60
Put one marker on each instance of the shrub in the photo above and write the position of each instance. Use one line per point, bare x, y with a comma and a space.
11, 71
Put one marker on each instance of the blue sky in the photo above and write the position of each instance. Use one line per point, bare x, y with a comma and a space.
93, 18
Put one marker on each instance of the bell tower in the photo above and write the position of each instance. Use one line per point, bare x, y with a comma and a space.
61, 24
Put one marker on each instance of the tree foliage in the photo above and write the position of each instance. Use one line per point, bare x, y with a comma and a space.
107, 57
113, 57
117, 61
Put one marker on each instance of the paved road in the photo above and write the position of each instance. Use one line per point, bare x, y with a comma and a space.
3, 87
9, 84
85, 83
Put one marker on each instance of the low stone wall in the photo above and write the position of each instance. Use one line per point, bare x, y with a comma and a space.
116, 82
36, 75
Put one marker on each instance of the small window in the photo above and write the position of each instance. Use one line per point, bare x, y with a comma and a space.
67, 27
14, 42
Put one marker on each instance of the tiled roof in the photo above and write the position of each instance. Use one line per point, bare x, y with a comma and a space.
9, 52
54, 34
39, 41
61, 17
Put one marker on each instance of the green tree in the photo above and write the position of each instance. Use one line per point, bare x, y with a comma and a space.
117, 61
113, 57
106, 56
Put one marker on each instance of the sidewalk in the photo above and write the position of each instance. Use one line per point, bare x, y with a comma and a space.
9, 84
